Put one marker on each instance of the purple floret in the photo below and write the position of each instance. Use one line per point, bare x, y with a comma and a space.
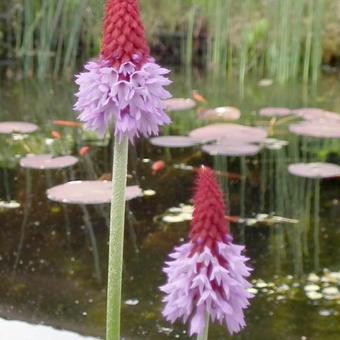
129, 99
204, 283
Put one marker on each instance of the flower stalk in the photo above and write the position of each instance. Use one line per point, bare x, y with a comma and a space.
122, 91
204, 335
116, 242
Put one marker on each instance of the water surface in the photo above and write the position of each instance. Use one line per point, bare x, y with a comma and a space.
55, 279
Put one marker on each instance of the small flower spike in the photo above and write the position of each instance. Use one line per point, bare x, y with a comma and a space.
207, 275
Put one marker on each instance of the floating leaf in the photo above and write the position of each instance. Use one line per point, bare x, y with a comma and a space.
316, 129
179, 104
224, 133
17, 127
47, 162
88, 192
237, 150
220, 113
275, 112
173, 141
314, 170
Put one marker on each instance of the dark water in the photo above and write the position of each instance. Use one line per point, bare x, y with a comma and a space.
54, 279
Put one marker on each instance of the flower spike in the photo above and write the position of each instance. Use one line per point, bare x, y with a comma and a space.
124, 87
207, 275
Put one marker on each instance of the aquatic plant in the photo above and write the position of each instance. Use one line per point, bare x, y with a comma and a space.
316, 171
229, 133
279, 39
173, 142
17, 127
179, 104
123, 88
88, 192
47, 162
317, 129
206, 277
221, 113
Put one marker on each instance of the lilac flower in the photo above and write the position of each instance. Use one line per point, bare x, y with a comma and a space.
208, 274
129, 98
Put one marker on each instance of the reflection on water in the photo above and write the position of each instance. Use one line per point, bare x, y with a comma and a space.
53, 257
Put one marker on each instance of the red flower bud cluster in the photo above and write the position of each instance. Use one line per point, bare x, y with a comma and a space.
123, 36
209, 224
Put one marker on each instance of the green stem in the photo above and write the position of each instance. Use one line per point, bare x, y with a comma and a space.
116, 244
204, 335
243, 197
317, 226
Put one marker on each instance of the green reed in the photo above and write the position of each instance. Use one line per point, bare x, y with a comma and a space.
276, 39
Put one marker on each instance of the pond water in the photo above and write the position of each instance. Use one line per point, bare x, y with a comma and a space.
53, 273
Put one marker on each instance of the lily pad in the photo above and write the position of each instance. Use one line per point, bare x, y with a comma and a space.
314, 170
17, 127
314, 295
331, 291
311, 288
9, 205
173, 141
229, 132
149, 192
312, 277
179, 104
131, 302
316, 129
265, 82
88, 192
236, 150
47, 162
275, 144
178, 214
311, 114
275, 112
220, 113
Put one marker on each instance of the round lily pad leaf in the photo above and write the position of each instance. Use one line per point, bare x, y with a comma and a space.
232, 150
173, 141
9, 205
48, 162
88, 192
275, 112
316, 129
229, 132
179, 104
311, 114
17, 127
220, 113
314, 170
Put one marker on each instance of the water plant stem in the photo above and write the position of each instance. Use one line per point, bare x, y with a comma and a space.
27, 210
204, 335
116, 242
48, 37
316, 235
93, 242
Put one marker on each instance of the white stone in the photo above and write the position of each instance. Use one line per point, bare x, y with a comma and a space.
18, 330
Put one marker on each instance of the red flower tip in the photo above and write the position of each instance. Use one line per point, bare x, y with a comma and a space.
85, 150
55, 135
157, 167
67, 123
123, 36
209, 225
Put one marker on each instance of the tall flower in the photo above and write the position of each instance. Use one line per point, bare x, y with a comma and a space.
207, 275
124, 87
